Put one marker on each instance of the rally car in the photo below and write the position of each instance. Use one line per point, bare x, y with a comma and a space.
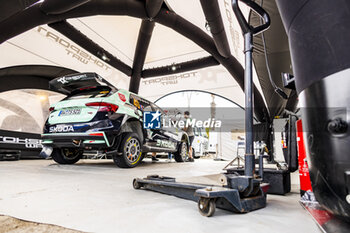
95, 115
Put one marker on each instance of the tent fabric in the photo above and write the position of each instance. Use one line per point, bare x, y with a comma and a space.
278, 54
42, 45
30, 76
13, 7
323, 40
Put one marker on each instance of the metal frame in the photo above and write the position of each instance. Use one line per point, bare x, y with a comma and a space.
248, 33
228, 197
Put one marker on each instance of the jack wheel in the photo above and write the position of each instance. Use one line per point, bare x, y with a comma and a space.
206, 206
136, 184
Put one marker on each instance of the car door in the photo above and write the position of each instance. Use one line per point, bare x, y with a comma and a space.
164, 138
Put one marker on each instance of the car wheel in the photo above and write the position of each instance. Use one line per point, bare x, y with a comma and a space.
131, 154
194, 154
66, 155
181, 155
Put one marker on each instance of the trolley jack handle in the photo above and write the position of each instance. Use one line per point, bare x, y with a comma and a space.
246, 28
248, 32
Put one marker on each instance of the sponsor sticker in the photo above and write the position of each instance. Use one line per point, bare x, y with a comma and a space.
27, 142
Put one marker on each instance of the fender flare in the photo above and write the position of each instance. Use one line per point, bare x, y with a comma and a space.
185, 138
132, 124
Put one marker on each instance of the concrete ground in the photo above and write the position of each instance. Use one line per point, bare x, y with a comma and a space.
97, 196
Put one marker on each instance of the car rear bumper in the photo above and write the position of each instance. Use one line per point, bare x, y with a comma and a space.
80, 140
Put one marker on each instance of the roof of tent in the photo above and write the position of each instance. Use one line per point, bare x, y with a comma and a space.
40, 46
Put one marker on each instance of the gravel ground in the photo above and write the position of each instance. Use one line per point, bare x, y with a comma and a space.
14, 225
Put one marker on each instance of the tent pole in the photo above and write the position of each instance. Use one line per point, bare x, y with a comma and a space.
143, 41
85, 42
212, 14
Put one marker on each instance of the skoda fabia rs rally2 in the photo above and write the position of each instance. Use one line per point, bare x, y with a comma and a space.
95, 115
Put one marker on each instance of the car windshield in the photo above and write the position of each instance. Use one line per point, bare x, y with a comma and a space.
91, 92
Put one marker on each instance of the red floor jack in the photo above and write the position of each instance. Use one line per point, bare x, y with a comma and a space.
326, 221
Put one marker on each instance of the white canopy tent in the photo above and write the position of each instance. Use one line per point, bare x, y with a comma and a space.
43, 45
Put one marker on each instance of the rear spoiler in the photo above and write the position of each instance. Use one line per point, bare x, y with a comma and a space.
69, 83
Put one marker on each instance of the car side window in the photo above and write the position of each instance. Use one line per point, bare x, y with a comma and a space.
156, 108
163, 114
134, 100
147, 108
145, 105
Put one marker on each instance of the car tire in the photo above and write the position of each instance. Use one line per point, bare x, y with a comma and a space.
181, 155
130, 148
66, 155
194, 154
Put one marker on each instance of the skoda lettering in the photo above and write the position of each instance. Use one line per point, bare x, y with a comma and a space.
61, 128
